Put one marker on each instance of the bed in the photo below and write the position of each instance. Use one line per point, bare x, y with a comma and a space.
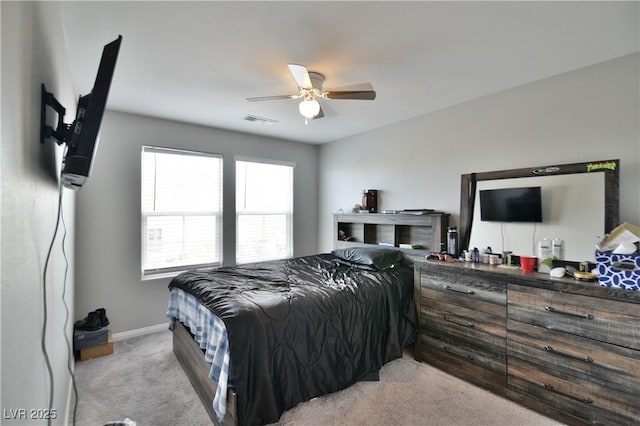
256, 340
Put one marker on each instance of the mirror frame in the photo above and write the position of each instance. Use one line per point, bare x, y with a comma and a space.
610, 168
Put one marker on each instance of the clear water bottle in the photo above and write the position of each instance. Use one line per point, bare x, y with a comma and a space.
452, 241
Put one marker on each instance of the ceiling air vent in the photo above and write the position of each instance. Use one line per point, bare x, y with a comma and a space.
259, 120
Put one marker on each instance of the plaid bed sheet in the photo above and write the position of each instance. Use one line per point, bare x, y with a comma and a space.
211, 334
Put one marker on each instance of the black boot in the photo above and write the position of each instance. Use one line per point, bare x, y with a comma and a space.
102, 314
90, 323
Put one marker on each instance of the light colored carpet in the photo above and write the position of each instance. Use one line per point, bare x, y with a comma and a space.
143, 381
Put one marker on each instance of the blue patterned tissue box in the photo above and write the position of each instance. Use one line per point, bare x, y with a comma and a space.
618, 270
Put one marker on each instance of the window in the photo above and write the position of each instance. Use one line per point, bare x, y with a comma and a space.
264, 211
181, 210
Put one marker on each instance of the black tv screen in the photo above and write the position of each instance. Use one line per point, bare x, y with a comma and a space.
511, 205
86, 127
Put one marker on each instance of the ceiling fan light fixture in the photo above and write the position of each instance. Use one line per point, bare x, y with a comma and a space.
310, 90
309, 108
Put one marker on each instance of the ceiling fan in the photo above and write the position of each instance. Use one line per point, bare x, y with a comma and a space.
310, 88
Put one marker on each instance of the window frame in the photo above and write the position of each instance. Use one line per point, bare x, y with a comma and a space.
165, 272
289, 215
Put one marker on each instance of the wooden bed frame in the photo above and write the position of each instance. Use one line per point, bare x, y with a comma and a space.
191, 357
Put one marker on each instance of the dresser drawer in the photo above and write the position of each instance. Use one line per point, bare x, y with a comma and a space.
611, 367
483, 329
473, 292
600, 319
463, 359
583, 399
466, 351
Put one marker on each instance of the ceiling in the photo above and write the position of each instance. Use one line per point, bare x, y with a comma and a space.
197, 62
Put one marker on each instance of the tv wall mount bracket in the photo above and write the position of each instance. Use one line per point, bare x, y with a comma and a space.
62, 133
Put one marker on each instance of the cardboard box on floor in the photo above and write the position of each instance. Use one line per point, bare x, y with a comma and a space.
97, 351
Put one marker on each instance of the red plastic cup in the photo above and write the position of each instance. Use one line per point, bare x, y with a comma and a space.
528, 263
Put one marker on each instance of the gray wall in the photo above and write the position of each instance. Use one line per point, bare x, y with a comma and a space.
589, 114
108, 211
33, 52
585, 115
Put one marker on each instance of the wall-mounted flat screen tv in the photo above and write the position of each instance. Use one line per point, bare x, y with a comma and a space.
511, 205
84, 131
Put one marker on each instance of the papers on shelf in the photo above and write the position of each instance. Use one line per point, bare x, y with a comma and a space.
386, 244
410, 246
409, 211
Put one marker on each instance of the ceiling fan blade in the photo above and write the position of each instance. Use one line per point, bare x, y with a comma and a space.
365, 95
272, 98
319, 114
300, 75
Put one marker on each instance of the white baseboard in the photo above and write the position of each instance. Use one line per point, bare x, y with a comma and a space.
140, 332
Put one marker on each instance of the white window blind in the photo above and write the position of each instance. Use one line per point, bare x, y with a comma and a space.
181, 210
264, 211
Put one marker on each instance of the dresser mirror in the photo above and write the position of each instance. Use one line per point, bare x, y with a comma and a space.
580, 203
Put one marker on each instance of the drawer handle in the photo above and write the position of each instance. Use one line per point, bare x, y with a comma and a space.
555, 311
470, 292
584, 358
576, 398
457, 353
462, 323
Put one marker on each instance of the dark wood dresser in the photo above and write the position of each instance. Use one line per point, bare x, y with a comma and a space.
568, 349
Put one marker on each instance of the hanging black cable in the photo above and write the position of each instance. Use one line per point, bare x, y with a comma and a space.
59, 218
66, 320
45, 312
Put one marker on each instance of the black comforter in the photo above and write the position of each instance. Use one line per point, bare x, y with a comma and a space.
305, 327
